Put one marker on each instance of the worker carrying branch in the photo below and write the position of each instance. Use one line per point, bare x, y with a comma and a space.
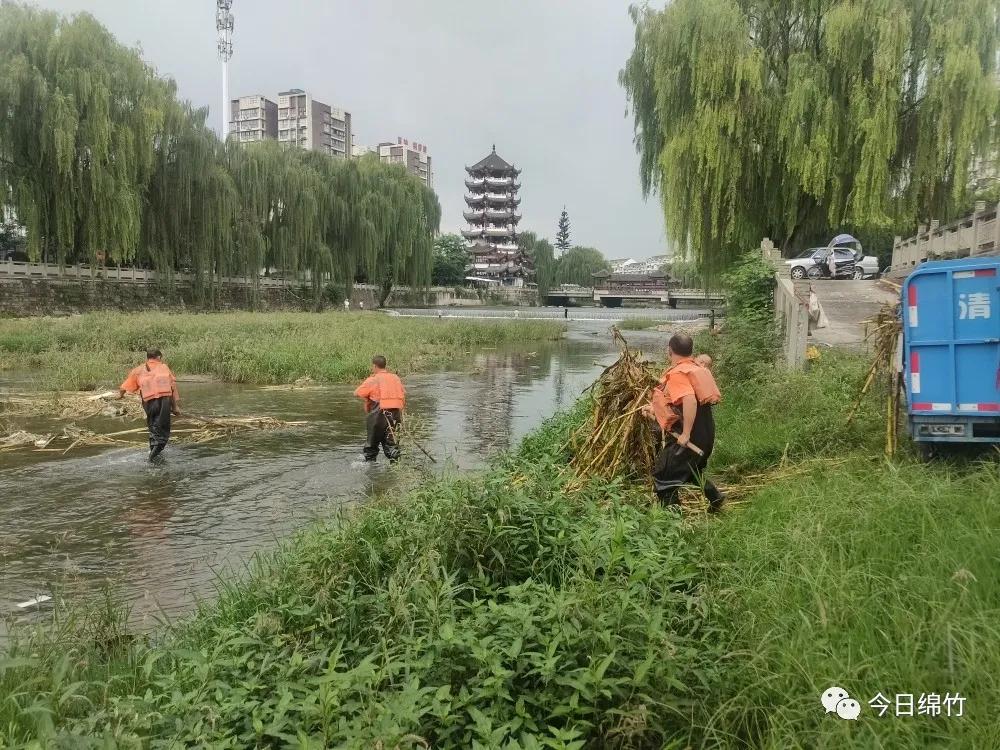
686, 394
157, 386
384, 398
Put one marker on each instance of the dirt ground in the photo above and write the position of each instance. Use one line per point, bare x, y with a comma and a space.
848, 304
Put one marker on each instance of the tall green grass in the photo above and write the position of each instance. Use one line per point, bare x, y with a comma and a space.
98, 348
872, 577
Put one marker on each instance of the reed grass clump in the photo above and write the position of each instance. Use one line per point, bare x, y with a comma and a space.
97, 349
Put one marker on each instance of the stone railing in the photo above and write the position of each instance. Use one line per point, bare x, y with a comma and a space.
976, 234
17, 269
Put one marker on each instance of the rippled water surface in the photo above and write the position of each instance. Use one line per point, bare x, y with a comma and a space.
158, 536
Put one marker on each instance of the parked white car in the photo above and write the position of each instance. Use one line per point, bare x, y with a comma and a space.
813, 263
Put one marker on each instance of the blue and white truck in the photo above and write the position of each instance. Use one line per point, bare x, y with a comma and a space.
951, 351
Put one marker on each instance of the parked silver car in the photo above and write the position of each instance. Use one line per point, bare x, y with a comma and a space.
814, 264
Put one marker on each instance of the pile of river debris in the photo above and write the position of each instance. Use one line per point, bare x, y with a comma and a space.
617, 440
81, 406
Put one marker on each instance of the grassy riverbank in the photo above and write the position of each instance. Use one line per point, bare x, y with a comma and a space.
96, 349
502, 610
872, 577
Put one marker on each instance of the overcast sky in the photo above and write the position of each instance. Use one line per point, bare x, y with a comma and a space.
536, 77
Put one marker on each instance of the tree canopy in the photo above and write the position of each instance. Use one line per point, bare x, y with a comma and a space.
578, 265
543, 260
450, 259
795, 118
102, 163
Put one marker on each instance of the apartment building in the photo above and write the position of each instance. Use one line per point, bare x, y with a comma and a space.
413, 156
253, 118
307, 123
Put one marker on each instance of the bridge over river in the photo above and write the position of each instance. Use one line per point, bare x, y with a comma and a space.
616, 297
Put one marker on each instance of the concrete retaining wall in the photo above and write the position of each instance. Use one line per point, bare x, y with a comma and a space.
26, 297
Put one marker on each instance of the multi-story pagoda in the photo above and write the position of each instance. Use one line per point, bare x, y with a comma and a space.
492, 215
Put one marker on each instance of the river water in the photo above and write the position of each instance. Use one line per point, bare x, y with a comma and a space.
160, 536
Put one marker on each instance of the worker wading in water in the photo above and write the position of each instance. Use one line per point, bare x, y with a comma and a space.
384, 398
157, 386
682, 404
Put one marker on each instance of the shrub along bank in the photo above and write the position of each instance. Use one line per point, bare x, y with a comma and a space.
96, 349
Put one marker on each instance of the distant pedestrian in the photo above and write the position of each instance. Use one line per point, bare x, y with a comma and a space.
347, 305
566, 313
361, 304
157, 386
439, 315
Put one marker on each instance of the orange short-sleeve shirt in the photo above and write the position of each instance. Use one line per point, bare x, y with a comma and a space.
678, 385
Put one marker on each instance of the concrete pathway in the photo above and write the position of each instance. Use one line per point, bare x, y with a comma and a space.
848, 304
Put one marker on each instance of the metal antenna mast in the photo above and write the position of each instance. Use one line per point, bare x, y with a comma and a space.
224, 25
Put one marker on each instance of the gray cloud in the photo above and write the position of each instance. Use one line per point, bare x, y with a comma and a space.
536, 77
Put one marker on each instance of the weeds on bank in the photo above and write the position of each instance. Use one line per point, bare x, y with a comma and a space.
86, 351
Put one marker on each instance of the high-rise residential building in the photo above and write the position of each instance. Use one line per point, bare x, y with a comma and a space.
413, 156
492, 203
358, 149
310, 124
253, 118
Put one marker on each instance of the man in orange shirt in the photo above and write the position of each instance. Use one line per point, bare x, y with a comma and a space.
384, 398
677, 465
157, 386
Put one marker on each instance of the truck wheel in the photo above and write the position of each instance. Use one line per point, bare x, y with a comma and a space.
928, 451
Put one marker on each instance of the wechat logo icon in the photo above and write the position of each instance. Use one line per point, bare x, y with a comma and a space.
836, 701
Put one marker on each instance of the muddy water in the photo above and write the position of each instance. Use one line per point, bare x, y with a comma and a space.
159, 536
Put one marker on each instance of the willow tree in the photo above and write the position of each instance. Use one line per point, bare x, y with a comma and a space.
191, 204
81, 117
404, 216
579, 264
793, 118
280, 193
542, 256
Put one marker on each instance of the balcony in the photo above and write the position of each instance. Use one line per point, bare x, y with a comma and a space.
474, 216
492, 231
507, 216
472, 234
474, 184
501, 199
